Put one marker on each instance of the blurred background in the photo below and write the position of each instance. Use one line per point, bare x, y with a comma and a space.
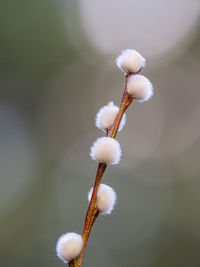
57, 68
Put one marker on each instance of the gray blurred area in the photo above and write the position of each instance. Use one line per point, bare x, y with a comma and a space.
57, 68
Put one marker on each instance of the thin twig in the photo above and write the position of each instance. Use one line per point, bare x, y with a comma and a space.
92, 211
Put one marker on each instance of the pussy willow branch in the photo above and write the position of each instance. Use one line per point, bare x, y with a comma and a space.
92, 212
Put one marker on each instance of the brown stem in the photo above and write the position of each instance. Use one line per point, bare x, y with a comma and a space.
90, 216
100, 172
92, 212
125, 103
77, 262
92, 220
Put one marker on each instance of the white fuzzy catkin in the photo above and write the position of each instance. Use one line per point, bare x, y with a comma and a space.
130, 61
139, 87
106, 116
106, 198
106, 150
69, 246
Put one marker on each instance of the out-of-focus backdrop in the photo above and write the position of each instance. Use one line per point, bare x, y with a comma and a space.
57, 68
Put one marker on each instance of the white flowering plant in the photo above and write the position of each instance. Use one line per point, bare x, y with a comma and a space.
106, 150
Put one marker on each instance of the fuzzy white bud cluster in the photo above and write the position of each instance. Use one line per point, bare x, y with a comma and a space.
106, 116
69, 246
130, 61
106, 198
106, 150
139, 87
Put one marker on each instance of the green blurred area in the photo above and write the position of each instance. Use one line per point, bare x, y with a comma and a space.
51, 89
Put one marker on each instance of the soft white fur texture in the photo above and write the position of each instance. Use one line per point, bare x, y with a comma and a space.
106, 150
139, 87
130, 61
106, 198
106, 116
69, 246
